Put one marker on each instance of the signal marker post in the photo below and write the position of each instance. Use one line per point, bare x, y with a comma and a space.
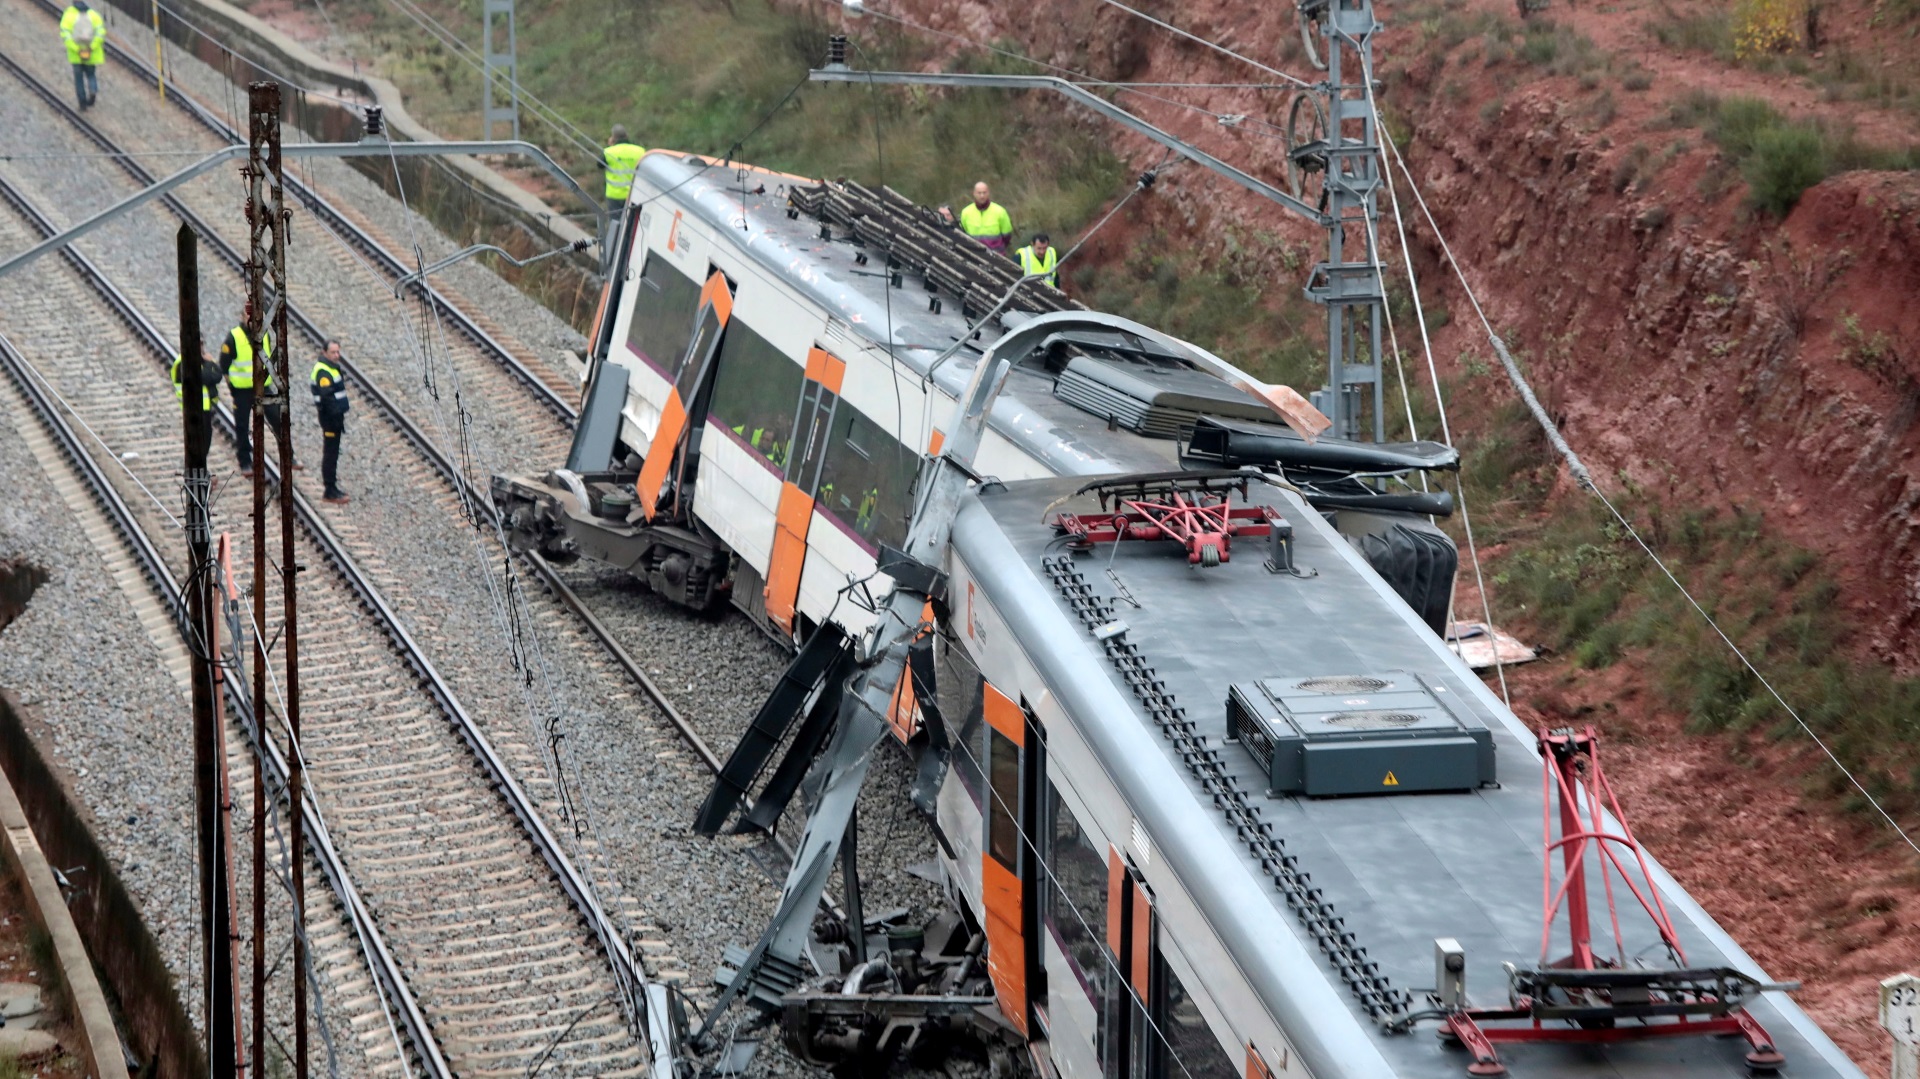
1900, 1015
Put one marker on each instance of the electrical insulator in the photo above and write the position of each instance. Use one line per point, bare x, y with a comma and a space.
373, 121
837, 50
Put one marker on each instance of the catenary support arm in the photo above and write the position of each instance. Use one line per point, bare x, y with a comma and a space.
367, 148
1083, 96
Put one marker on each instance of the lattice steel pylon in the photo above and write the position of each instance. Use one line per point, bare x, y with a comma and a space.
499, 67
1333, 154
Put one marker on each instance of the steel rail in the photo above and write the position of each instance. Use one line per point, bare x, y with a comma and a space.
396, 994
456, 318
478, 496
629, 973
407, 427
332, 217
327, 212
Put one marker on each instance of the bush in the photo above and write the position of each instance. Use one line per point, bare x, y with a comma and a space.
1783, 163
1777, 157
1767, 26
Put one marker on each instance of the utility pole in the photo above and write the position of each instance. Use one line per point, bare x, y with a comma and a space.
499, 65
267, 219
261, 709
1331, 131
216, 930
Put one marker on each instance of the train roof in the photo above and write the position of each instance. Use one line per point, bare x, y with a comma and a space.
1401, 869
845, 278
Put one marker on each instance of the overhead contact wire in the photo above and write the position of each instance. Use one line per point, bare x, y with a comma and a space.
1585, 478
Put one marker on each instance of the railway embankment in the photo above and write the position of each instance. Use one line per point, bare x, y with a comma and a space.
77, 916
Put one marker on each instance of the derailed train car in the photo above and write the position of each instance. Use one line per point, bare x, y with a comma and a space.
1209, 784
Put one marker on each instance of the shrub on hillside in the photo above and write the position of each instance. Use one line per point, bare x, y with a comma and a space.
1784, 162
1767, 26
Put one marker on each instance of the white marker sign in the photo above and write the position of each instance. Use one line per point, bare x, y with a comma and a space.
1900, 1015
1900, 1008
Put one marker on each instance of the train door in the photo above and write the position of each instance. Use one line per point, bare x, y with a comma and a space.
680, 417
1010, 869
1151, 1026
812, 430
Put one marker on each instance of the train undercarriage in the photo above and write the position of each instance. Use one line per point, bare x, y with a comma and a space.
564, 516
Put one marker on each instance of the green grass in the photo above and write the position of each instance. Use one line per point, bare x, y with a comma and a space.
1230, 308
1558, 49
1709, 32
700, 76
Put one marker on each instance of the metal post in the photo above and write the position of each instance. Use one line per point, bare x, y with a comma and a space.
159, 59
1349, 153
499, 65
258, 238
265, 201
219, 573
215, 929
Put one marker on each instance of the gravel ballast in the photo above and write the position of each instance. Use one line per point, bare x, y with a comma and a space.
633, 782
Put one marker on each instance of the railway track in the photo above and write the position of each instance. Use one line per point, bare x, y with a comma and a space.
488, 364
480, 907
494, 369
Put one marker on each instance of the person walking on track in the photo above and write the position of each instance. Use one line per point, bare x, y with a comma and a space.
330, 397
621, 160
85, 33
237, 359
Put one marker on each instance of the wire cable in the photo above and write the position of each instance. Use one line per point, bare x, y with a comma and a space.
1585, 478
1446, 432
1214, 45
48, 385
1053, 882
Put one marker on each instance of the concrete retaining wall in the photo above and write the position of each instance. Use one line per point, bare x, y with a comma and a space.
105, 921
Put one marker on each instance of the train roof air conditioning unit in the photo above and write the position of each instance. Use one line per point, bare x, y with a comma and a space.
1391, 733
1157, 399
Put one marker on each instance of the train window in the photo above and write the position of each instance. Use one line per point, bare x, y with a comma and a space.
1076, 903
868, 480
664, 305
754, 393
958, 684
1188, 1047
1003, 828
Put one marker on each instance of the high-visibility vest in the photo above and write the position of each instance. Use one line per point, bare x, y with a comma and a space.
622, 159
990, 226
240, 371
329, 389
1031, 264
96, 49
180, 389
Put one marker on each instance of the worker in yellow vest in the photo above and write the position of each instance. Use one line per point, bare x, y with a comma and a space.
1040, 257
621, 160
207, 379
985, 220
237, 359
85, 34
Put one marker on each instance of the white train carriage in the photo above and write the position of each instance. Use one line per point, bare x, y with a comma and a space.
776, 366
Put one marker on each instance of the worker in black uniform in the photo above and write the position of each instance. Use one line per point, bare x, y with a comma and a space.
247, 366
330, 397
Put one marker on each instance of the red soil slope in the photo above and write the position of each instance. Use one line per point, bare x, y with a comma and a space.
1710, 356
